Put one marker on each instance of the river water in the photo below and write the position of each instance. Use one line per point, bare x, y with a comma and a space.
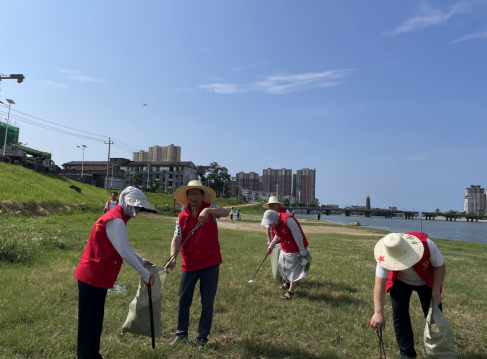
458, 231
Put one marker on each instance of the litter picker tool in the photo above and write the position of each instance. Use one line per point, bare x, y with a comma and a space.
182, 244
250, 281
149, 289
381, 342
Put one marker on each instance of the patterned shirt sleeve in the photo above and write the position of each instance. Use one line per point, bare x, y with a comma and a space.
177, 232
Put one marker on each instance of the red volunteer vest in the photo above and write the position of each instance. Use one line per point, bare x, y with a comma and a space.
423, 268
281, 210
100, 263
108, 204
286, 239
202, 250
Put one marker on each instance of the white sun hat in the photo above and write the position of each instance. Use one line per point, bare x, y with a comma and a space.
134, 197
181, 195
398, 251
273, 199
271, 218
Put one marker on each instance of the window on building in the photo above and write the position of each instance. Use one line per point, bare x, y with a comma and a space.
157, 176
171, 169
170, 176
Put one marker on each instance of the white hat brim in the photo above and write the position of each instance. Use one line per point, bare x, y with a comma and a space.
139, 201
413, 253
266, 205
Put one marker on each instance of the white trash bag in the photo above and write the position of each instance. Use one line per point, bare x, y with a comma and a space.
438, 336
138, 319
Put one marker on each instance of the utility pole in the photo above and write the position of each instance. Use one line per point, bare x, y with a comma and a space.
10, 102
108, 161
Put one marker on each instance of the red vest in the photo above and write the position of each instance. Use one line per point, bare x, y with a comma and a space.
100, 263
282, 210
202, 250
286, 239
423, 268
108, 204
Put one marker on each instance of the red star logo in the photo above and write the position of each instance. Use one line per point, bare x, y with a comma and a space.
381, 259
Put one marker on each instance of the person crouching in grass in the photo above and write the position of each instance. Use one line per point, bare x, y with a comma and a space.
98, 268
294, 258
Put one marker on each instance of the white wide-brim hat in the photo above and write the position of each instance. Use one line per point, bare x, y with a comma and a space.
398, 251
273, 199
135, 197
181, 195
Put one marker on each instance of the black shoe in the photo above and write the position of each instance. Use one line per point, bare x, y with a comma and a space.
202, 343
404, 356
177, 341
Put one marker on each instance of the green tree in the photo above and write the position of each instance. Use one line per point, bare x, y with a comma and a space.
136, 179
158, 187
214, 177
286, 201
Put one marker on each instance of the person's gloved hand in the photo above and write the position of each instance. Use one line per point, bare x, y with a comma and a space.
151, 280
146, 261
303, 253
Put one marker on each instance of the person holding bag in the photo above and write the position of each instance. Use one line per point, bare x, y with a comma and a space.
406, 262
98, 268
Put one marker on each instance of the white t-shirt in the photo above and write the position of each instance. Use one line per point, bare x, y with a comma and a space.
409, 276
113, 204
231, 211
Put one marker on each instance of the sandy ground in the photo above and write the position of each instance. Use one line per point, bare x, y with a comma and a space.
225, 223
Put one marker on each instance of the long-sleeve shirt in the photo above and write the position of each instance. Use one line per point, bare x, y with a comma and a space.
297, 235
119, 237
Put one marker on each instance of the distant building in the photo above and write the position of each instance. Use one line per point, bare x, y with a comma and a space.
94, 172
169, 153
172, 174
304, 182
248, 180
480, 197
277, 180
470, 204
367, 203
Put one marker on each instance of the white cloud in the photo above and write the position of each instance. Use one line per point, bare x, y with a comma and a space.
78, 76
226, 89
85, 78
56, 84
476, 36
282, 84
429, 16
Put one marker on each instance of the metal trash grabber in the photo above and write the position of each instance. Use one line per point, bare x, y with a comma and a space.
149, 289
381, 342
250, 281
182, 244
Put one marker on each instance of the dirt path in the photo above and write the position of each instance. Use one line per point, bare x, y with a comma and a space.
225, 223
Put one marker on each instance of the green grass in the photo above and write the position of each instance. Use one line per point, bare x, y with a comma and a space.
227, 202
254, 209
328, 317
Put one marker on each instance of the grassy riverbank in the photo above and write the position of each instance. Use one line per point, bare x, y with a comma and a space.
328, 317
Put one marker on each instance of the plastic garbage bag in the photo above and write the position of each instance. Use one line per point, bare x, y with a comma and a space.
274, 263
138, 319
305, 261
118, 288
438, 336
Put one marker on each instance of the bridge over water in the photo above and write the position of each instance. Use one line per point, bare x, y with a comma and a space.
429, 216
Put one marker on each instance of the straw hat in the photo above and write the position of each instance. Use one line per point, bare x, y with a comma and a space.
398, 251
182, 197
273, 199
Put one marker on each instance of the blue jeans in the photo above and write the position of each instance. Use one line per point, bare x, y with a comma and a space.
208, 285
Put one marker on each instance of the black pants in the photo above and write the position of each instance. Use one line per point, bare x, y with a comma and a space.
231, 217
90, 320
208, 285
400, 296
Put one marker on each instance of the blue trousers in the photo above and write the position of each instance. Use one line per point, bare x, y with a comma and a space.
208, 285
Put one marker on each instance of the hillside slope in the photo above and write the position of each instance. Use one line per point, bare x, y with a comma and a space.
29, 193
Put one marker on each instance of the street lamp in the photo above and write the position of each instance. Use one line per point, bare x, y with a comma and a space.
83, 162
10, 102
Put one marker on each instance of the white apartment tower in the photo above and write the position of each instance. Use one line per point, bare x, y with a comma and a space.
169, 153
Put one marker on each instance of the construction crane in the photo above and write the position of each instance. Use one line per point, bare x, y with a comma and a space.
18, 77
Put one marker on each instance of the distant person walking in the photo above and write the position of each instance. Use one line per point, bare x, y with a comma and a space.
231, 214
238, 214
294, 258
318, 215
112, 203
277, 206
293, 213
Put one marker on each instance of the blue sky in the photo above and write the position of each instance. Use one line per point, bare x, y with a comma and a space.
385, 98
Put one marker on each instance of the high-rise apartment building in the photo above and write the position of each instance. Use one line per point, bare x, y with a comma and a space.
480, 197
169, 153
248, 181
470, 204
279, 181
304, 185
